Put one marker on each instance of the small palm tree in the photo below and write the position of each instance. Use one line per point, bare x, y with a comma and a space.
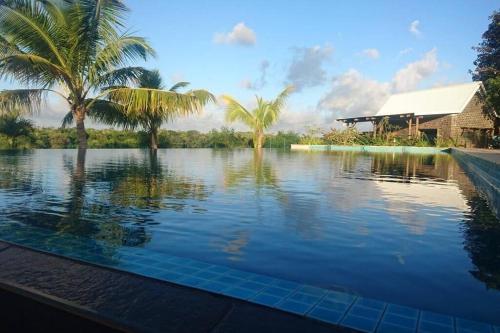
74, 48
148, 106
260, 118
13, 126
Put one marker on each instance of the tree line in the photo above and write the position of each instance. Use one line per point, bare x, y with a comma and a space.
42, 138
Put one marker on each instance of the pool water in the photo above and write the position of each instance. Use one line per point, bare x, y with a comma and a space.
405, 229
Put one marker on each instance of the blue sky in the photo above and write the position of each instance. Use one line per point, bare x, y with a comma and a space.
344, 57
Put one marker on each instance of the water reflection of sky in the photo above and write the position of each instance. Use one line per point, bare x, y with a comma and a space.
406, 229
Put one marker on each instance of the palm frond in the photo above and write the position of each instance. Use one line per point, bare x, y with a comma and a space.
110, 113
67, 120
33, 28
237, 112
159, 102
279, 102
26, 100
119, 52
32, 69
120, 77
179, 85
151, 79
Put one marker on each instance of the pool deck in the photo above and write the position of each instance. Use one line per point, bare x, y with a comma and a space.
42, 292
491, 155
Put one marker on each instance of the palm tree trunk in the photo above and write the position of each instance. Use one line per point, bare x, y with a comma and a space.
81, 134
258, 140
153, 139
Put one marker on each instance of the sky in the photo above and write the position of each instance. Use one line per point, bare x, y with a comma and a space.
344, 58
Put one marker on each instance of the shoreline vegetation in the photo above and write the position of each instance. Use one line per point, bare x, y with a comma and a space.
46, 138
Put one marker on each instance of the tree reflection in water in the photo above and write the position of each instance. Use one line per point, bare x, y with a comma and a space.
116, 207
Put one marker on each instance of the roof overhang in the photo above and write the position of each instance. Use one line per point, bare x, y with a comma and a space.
374, 118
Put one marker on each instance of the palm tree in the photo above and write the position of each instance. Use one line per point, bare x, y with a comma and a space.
260, 118
74, 48
148, 106
13, 126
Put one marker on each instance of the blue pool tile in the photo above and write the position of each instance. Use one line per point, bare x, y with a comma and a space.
241, 293
148, 262
262, 279
361, 311
252, 285
165, 265
213, 286
238, 274
402, 321
333, 306
179, 261
217, 269
304, 298
185, 270
285, 284
496, 329
311, 290
390, 328
171, 276
276, 291
151, 272
360, 323
469, 326
327, 315
436, 318
198, 264
266, 299
191, 281
229, 280
206, 275
294, 307
430, 327
340, 297
370, 303
402, 311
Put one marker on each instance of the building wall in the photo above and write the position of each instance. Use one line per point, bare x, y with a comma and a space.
473, 116
470, 128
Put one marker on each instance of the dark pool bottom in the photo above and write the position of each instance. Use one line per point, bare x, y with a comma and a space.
331, 306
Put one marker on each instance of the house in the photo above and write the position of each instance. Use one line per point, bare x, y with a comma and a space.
448, 113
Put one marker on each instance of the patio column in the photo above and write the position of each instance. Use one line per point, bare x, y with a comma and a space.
409, 127
417, 121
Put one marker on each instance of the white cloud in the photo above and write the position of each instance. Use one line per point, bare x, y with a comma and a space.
306, 69
410, 76
405, 51
414, 28
261, 82
352, 94
370, 53
240, 35
298, 120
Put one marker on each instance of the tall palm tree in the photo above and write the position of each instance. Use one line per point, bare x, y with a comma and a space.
148, 106
74, 48
13, 126
265, 114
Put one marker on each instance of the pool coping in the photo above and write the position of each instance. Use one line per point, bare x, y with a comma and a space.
482, 166
371, 149
225, 314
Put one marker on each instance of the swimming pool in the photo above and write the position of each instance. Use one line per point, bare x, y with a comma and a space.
405, 229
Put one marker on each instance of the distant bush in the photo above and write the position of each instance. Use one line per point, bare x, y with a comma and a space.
111, 138
312, 137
